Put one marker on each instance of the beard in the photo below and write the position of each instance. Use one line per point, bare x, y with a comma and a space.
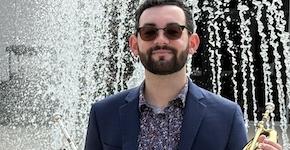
161, 66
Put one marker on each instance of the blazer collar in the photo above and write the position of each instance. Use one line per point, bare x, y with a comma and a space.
194, 112
130, 122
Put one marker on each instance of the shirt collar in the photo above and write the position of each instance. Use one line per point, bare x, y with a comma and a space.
178, 101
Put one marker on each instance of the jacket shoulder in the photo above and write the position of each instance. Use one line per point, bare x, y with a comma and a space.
212, 100
116, 100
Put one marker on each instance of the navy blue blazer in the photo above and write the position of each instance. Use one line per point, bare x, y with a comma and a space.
210, 122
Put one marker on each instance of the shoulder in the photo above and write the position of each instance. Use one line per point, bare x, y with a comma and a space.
213, 101
221, 118
113, 102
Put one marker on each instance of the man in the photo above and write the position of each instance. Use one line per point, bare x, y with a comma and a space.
167, 111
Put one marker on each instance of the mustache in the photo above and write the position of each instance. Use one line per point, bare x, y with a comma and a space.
158, 47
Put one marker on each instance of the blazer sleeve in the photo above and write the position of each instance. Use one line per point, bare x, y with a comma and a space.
93, 141
238, 135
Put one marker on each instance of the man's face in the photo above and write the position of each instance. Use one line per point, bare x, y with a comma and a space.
162, 55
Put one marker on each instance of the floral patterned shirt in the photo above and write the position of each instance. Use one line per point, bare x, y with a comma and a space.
160, 128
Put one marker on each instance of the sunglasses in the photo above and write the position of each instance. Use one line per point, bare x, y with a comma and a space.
172, 31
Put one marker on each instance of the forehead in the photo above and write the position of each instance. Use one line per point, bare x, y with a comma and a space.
162, 15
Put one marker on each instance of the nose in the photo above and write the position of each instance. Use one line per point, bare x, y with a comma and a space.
161, 39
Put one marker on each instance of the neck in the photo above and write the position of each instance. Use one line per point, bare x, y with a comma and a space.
160, 89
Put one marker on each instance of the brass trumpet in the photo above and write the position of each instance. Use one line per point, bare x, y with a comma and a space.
271, 134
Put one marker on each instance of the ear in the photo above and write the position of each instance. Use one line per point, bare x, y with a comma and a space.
193, 43
133, 43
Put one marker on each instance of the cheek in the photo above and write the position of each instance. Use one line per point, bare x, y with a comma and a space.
182, 45
144, 46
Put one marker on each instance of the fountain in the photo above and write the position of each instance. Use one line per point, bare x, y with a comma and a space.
60, 56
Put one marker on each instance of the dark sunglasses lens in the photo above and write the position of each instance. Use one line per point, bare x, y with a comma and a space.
173, 32
148, 33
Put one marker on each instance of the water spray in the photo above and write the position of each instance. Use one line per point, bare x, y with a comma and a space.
57, 119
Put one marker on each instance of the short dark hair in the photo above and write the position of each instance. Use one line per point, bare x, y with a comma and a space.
152, 3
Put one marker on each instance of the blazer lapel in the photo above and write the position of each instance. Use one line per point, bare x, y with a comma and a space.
130, 123
193, 114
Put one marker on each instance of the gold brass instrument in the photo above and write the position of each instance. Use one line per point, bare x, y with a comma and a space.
271, 134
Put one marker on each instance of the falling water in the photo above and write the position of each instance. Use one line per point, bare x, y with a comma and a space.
280, 26
69, 53
246, 48
214, 42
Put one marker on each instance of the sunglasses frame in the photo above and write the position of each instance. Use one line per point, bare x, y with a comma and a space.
181, 28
